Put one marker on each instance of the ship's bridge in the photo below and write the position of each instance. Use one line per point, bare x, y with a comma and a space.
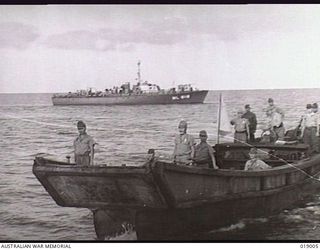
149, 88
184, 87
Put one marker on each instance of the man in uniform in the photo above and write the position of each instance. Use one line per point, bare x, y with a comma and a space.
204, 153
275, 117
83, 146
310, 129
255, 163
251, 117
184, 145
241, 127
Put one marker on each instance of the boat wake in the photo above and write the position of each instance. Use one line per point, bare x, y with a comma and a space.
240, 225
128, 234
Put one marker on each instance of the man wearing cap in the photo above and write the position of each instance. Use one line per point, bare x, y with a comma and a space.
204, 153
255, 163
251, 117
310, 129
184, 145
241, 127
315, 108
83, 146
275, 117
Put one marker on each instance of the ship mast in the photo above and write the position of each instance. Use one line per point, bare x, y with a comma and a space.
138, 73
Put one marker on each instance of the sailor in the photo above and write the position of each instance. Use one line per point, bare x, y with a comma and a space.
255, 163
83, 146
275, 117
184, 145
251, 117
310, 129
241, 127
315, 108
204, 153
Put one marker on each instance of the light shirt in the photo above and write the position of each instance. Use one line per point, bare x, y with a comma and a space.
184, 144
82, 144
310, 120
275, 116
256, 164
240, 124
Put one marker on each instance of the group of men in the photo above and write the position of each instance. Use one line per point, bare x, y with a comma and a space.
202, 155
185, 150
245, 124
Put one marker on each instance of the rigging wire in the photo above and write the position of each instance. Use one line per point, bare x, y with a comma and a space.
279, 158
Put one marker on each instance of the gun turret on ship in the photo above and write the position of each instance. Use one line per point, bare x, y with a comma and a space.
142, 93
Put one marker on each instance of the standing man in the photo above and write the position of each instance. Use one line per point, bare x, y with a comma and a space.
241, 127
251, 117
310, 129
204, 153
275, 117
184, 145
83, 146
315, 110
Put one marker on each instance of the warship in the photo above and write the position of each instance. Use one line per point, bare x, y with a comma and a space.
141, 93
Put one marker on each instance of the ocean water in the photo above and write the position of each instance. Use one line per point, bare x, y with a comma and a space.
30, 125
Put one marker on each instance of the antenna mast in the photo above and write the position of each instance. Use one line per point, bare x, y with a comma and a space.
138, 73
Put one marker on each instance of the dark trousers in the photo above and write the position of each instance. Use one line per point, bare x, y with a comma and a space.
240, 137
251, 137
83, 160
310, 138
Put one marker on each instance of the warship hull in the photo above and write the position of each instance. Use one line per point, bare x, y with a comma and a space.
189, 97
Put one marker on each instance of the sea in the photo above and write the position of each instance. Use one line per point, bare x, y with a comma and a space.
30, 125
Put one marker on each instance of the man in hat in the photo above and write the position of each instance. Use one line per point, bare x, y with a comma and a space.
251, 117
204, 153
275, 117
184, 145
310, 129
241, 127
315, 108
83, 146
255, 163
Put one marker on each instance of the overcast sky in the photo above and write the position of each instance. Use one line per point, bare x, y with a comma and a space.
63, 48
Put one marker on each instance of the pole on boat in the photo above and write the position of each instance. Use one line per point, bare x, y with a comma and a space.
219, 118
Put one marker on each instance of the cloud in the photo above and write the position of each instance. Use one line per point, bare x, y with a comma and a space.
228, 24
17, 35
78, 40
105, 39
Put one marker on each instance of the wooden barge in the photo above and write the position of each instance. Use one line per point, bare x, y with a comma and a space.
167, 201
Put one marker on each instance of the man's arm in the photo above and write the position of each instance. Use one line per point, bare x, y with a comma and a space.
303, 126
92, 153
254, 123
175, 149
213, 159
280, 111
192, 144
317, 134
